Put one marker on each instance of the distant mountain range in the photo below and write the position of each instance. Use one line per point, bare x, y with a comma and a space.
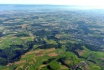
41, 7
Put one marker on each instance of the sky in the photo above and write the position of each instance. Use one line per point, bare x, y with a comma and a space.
95, 3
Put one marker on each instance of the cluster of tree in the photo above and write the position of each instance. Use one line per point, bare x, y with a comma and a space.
42, 33
35, 17
73, 47
22, 35
36, 24
70, 66
52, 37
62, 61
48, 46
1, 21
54, 32
71, 31
8, 19
39, 41
14, 52
1, 34
13, 24
93, 47
48, 61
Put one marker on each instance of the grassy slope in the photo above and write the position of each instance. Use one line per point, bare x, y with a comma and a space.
34, 61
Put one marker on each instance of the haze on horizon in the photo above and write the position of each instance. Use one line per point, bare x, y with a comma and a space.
90, 3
